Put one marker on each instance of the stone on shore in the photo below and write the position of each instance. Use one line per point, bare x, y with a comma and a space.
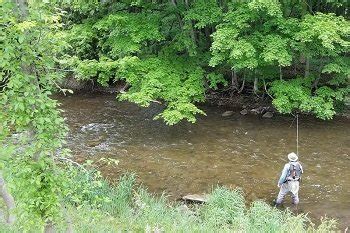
268, 115
244, 112
257, 110
227, 113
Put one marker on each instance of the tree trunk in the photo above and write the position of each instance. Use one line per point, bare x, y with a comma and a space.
68, 219
21, 8
9, 201
242, 86
173, 2
281, 74
307, 67
255, 85
234, 80
317, 80
49, 227
193, 32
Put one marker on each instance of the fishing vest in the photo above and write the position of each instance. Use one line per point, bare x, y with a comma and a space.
294, 173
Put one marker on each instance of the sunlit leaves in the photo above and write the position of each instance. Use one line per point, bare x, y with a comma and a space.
176, 82
276, 49
204, 13
271, 8
297, 95
330, 31
244, 46
178, 111
257, 39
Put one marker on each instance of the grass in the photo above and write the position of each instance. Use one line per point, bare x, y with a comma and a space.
130, 208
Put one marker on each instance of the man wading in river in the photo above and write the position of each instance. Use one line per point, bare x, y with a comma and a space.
289, 180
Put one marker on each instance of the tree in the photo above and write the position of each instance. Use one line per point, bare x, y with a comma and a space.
31, 46
259, 41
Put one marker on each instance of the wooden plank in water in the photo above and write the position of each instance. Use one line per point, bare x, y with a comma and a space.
201, 198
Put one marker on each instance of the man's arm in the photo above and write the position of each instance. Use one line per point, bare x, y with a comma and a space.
283, 175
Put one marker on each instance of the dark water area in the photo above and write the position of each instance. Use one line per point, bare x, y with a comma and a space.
236, 151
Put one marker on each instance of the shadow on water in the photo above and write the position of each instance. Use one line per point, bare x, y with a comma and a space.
245, 151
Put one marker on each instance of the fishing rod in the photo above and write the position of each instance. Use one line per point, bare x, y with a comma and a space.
297, 134
297, 130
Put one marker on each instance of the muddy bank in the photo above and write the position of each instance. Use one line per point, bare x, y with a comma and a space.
88, 86
246, 103
256, 104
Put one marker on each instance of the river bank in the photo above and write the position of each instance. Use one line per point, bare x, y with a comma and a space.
130, 207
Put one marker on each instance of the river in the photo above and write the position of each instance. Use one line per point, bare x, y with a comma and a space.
236, 151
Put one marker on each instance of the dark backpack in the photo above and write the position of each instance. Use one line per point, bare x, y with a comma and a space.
294, 171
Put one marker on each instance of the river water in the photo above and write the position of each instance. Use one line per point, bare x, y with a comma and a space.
236, 151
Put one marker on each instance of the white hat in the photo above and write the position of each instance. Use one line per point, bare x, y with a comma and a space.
292, 157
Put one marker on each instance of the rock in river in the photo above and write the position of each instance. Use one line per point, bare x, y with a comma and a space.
227, 113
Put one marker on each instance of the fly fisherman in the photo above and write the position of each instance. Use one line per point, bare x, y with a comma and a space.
289, 180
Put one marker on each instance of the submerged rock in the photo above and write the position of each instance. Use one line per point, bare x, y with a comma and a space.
244, 112
200, 198
268, 115
96, 141
227, 113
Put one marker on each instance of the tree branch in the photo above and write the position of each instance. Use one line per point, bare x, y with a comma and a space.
266, 90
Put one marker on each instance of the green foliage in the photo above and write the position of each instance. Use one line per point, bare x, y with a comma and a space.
340, 68
83, 37
85, 188
243, 45
124, 34
260, 213
297, 95
205, 13
224, 207
30, 51
35, 186
258, 39
324, 34
134, 209
276, 50
215, 79
175, 81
